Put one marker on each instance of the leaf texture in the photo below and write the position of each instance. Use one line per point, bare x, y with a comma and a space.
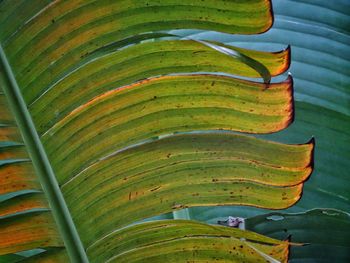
183, 171
161, 106
179, 240
22, 203
130, 65
104, 84
28, 231
92, 24
25, 222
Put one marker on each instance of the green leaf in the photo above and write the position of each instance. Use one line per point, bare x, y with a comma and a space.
130, 65
45, 234
254, 64
93, 25
179, 240
125, 116
28, 231
24, 221
23, 203
10, 258
99, 94
183, 171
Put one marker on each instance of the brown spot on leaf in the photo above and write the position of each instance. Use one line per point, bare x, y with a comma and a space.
156, 188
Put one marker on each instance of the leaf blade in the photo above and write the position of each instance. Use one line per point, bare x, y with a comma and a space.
28, 231
161, 181
173, 240
172, 104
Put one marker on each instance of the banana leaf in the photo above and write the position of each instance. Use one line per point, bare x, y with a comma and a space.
107, 120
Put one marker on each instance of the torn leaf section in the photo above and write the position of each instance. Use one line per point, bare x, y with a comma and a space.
185, 241
229, 51
63, 32
182, 171
50, 101
163, 105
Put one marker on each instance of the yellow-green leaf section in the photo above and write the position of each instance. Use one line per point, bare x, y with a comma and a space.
16, 177
164, 105
64, 31
94, 89
8, 133
16, 170
183, 171
50, 101
183, 240
22, 203
28, 231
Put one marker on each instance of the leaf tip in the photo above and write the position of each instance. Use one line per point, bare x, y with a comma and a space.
312, 143
271, 18
291, 104
288, 51
288, 254
292, 99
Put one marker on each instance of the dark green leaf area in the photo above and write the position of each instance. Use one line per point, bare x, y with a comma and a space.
324, 231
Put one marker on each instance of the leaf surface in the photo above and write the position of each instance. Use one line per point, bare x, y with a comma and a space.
104, 84
160, 106
178, 240
29, 231
183, 171
130, 65
22, 203
25, 220
65, 31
